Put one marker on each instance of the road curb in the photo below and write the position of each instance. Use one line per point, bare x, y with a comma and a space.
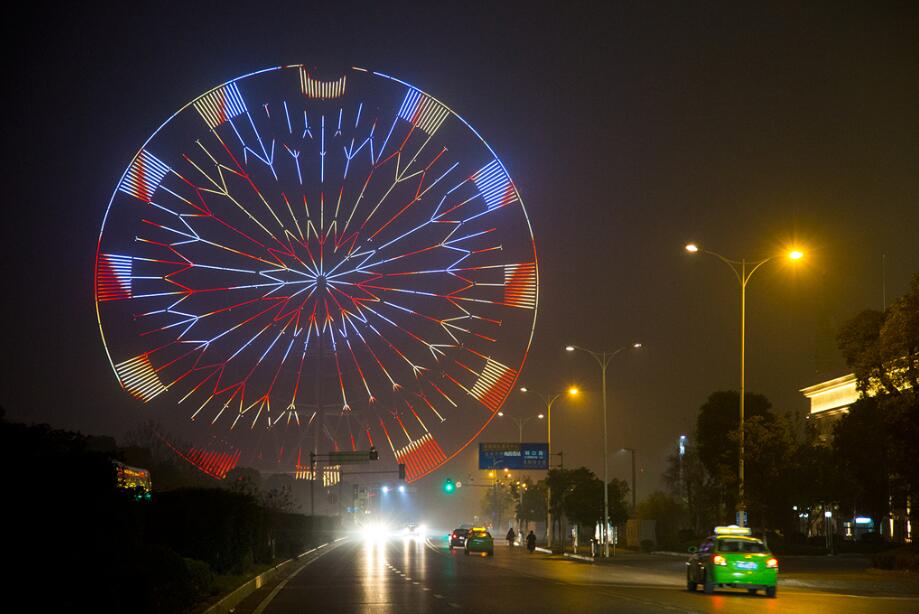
579, 557
229, 602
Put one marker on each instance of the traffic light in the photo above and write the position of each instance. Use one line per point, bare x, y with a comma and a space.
449, 486
402, 471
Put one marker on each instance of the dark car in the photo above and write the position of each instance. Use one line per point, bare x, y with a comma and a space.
458, 537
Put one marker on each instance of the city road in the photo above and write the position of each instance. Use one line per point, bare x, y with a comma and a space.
406, 576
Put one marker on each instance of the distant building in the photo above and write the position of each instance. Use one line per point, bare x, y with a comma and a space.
830, 400
133, 479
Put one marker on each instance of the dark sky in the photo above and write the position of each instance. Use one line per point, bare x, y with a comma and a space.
629, 130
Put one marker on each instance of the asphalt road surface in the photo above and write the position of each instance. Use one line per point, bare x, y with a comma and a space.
406, 576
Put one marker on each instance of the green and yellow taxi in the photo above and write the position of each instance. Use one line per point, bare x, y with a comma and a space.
732, 558
479, 540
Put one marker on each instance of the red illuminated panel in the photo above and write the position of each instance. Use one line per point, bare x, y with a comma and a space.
520, 285
493, 384
139, 378
215, 464
420, 456
113, 277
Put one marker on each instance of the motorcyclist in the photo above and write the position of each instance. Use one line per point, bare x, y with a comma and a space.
531, 541
510, 537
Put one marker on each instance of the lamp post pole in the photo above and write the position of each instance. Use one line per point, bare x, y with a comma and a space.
549, 400
603, 359
743, 277
520, 422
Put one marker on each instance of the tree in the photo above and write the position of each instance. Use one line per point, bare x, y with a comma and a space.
148, 446
244, 480
719, 418
859, 342
687, 479
883, 351
618, 501
669, 515
898, 341
860, 452
532, 502
583, 501
770, 445
496, 501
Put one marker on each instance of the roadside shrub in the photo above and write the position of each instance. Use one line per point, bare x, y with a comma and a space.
224, 529
904, 559
155, 579
201, 576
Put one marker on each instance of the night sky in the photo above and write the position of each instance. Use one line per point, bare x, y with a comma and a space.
629, 131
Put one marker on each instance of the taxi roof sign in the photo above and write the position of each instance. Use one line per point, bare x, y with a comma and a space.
733, 529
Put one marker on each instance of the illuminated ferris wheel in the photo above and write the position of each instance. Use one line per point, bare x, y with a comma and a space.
292, 264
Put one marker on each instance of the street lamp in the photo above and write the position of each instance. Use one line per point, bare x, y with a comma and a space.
548, 400
521, 421
603, 359
743, 277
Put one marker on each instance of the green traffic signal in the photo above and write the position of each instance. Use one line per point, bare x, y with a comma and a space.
449, 486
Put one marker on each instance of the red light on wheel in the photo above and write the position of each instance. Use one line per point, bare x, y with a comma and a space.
772, 563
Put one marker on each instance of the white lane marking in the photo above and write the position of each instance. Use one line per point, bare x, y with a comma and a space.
438, 596
425, 588
277, 589
453, 605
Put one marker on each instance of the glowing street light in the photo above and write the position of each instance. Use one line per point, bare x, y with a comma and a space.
743, 277
549, 400
603, 359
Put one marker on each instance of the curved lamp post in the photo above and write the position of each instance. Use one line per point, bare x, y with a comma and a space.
603, 359
521, 421
743, 271
549, 400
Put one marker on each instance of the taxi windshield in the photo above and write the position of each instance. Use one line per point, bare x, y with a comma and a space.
740, 545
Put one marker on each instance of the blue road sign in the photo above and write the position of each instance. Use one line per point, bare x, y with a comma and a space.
513, 456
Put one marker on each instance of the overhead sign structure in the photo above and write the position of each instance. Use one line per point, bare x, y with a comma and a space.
352, 458
513, 456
